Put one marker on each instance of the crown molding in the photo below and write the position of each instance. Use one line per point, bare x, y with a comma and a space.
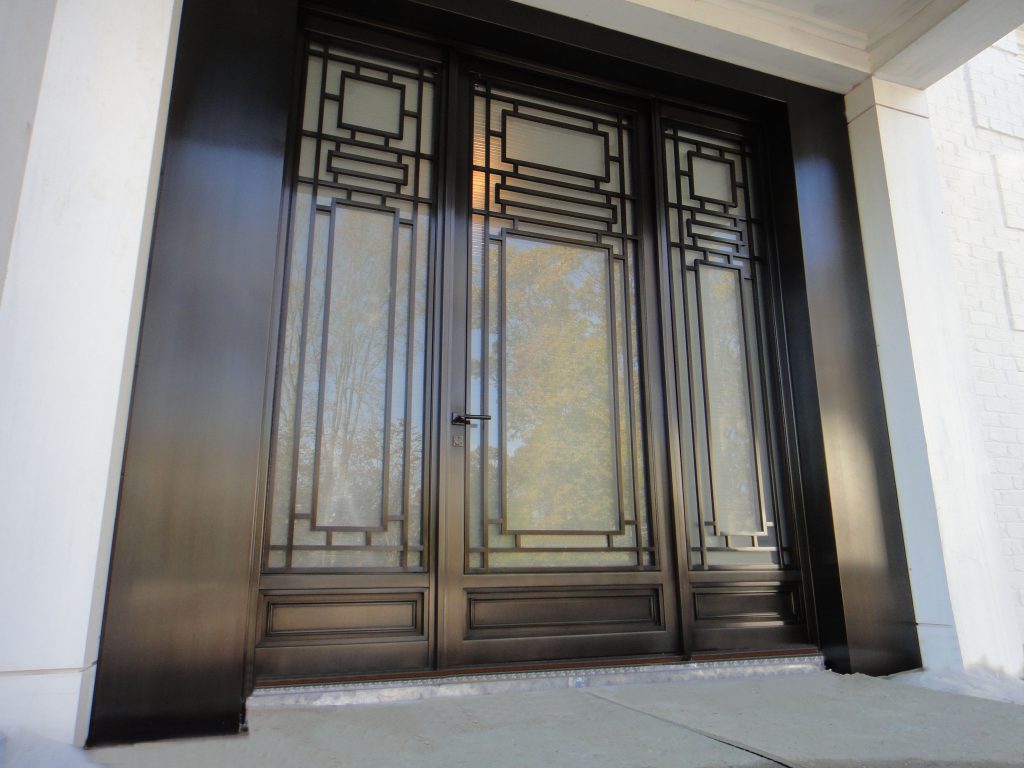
912, 42
787, 18
907, 25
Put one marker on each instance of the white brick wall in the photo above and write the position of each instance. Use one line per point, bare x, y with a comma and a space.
977, 116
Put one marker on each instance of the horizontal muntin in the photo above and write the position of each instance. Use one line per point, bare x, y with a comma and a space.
361, 166
566, 221
563, 205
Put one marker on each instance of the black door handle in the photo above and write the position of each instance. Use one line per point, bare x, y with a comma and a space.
464, 419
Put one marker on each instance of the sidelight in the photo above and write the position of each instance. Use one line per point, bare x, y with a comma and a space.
347, 466
716, 266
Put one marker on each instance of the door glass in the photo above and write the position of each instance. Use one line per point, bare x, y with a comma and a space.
559, 416
346, 487
731, 477
557, 477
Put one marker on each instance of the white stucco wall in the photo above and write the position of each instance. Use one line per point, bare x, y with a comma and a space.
961, 595
69, 315
24, 34
977, 116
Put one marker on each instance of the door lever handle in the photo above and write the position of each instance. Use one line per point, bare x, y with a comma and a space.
465, 419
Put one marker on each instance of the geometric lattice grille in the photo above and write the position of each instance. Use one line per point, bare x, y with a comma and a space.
731, 480
346, 485
557, 477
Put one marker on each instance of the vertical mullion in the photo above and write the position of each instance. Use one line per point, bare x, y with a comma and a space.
410, 324
485, 342
310, 247
629, 260
389, 369
763, 365
613, 340
485, 334
687, 335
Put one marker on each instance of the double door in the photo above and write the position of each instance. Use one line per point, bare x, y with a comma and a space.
469, 463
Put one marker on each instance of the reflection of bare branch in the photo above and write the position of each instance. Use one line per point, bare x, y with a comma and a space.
560, 408
354, 378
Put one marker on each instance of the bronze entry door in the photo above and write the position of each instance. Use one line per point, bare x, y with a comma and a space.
459, 472
522, 376
555, 547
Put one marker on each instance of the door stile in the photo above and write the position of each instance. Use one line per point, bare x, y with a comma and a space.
452, 330
656, 189
439, 291
660, 405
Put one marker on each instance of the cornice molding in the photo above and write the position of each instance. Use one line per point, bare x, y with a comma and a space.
912, 42
768, 11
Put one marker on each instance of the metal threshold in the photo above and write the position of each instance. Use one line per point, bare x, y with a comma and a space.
392, 691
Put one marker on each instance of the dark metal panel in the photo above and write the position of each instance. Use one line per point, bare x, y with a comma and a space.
173, 648
857, 551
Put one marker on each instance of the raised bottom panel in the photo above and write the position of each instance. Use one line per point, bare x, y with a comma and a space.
514, 625
541, 613
754, 615
310, 635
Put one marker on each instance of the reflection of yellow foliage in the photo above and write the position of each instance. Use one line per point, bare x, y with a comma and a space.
559, 410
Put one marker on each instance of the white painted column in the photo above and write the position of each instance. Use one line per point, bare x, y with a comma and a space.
69, 317
960, 588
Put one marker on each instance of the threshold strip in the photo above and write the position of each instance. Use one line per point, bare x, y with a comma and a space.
391, 691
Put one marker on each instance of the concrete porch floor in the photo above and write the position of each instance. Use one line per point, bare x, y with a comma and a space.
810, 719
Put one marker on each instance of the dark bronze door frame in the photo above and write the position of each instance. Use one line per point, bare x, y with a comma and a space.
504, 594
333, 604
179, 620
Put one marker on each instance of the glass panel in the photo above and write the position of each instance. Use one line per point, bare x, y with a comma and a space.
354, 371
347, 461
711, 179
545, 143
373, 106
559, 410
730, 431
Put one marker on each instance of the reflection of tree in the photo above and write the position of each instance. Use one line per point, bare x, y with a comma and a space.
355, 369
559, 409
354, 375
